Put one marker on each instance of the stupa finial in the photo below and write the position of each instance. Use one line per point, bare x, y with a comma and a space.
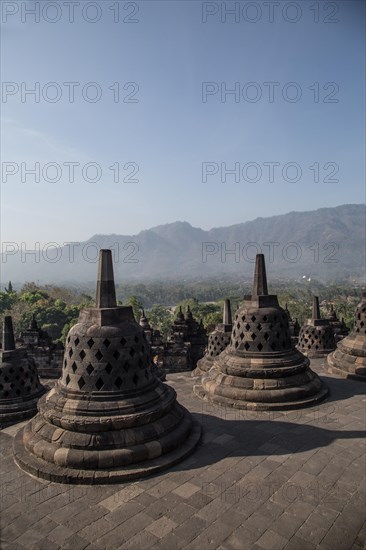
260, 278
8, 334
316, 309
227, 319
106, 292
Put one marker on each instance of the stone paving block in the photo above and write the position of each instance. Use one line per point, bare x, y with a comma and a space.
270, 540
213, 510
299, 544
190, 529
124, 512
181, 512
211, 537
75, 542
170, 542
186, 490
162, 505
86, 517
29, 537
198, 500
161, 527
96, 529
313, 530
46, 544
161, 489
287, 524
143, 540
60, 534
124, 495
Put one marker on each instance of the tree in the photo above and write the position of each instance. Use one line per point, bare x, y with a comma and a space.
9, 289
159, 318
136, 305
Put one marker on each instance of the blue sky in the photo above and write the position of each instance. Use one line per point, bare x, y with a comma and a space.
170, 131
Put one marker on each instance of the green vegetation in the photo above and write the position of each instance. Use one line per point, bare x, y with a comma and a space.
57, 308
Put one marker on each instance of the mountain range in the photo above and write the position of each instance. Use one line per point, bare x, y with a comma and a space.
325, 244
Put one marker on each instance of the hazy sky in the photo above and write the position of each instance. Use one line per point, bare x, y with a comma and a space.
157, 111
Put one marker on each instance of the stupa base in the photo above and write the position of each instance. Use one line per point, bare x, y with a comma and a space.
18, 410
203, 366
40, 468
314, 354
261, 405
271, 388
347, 366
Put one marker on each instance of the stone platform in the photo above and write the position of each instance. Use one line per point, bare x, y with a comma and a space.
259, 480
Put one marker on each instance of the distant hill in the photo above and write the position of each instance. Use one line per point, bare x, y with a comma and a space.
326, 244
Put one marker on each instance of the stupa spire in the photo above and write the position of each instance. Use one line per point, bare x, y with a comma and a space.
106, 292
316, 309
260, 278
227, 319
8, 334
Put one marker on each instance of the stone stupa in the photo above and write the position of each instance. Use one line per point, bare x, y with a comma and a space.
349, 359
217, 341
260, 368
339, 326
316, 338
156, 364
20, 388
108, 418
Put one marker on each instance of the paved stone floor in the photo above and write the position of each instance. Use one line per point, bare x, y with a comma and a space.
293, 480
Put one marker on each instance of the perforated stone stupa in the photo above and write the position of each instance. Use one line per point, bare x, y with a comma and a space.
108, 418
217, 341
20, 388
339, 326
260, 368
316, 338
349, 359
47, 355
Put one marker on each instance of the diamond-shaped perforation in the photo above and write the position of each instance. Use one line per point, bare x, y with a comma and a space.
89, 368
99, 355
67, 380
132, 352
90, 342
81, 382
77, 341
71, 353
106, 343
118, 382
108, 368
126, 366
123, 342
99, 384
74, 367
116, 354
82, 354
